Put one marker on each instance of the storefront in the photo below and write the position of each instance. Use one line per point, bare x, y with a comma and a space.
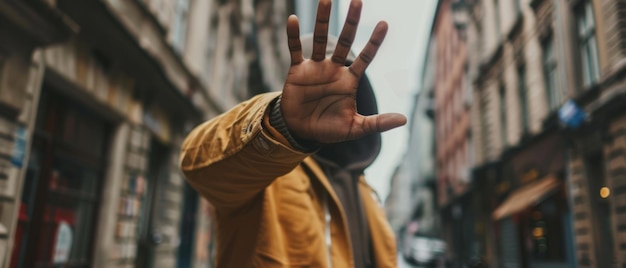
459, 230
90, 123
26, 26
101, 186
534, 227
597, 170
533, 221
62, 186
485, 199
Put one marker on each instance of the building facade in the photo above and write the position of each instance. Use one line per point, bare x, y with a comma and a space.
452, 131
550, 187
99, 145
596, 82
412, 193
520, 160
95, 100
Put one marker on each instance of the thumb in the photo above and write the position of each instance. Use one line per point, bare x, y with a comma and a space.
382, 122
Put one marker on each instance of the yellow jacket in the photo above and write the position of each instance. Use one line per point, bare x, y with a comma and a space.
274, 205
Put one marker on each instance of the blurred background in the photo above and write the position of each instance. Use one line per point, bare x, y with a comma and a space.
514, 154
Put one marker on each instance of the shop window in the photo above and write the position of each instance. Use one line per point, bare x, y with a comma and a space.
57, 213
545, 234
484, 126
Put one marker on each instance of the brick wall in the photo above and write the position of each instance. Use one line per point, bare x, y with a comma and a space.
453, 118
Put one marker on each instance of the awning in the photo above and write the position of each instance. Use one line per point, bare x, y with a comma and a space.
526, 196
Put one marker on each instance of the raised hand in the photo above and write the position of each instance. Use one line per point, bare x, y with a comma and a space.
319, 97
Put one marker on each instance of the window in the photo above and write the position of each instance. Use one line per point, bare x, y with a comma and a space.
211, 45
466, 87
588, 43
523, 98
545, 228
518, 7
550, 74
179, 29
503, 125
496, 12
61, 194
470, 151
484, 125
458, 98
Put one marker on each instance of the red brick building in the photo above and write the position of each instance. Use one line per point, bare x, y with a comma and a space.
452, 127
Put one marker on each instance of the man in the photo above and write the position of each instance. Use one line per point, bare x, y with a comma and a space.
284, 170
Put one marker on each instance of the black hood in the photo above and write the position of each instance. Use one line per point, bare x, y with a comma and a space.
357, 154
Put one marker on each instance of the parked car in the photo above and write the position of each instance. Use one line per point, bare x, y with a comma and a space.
423, 249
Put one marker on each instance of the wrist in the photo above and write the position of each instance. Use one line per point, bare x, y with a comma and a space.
277, 121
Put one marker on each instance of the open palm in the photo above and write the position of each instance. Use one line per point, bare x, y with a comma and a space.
319, 97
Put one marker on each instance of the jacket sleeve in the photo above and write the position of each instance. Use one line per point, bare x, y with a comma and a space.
232, 158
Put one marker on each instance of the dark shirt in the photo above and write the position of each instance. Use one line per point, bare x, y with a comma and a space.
345, 183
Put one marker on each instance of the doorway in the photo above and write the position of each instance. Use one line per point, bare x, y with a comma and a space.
149, 234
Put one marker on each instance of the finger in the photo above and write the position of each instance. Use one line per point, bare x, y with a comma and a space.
367, 54
380, 123
320, 34
347, 34
293, 40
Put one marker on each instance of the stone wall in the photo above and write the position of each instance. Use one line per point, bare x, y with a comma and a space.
581, 210
15, 136
132, 196
615, 155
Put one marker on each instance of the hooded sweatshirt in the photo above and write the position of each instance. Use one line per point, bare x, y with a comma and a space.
345, 162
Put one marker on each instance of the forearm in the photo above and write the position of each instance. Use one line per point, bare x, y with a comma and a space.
233, 157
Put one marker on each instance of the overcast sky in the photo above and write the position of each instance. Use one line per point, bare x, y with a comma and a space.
394, 72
